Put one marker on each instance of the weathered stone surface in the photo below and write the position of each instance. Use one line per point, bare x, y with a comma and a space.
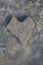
6, 19
40, 60
3, 17
9, 41
22, 30
33, 62
13, 46
13, 49
0, 20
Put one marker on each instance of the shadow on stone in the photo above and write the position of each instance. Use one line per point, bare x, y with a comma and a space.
18, 40
21, 18
7, 20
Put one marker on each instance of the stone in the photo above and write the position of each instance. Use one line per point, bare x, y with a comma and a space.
0, 21
12, 49
22, 30
7, 19
41, 1
40, 60
4, 16
34, 62
13, 46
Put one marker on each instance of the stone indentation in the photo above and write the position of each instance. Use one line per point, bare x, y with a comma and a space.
22, 30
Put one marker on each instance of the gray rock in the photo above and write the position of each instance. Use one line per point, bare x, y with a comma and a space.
22, 30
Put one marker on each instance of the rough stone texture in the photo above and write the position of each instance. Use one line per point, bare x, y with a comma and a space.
22, 30
3, 15
34, 62
7, 19
0, 20
32, 53
40, 60
13, 47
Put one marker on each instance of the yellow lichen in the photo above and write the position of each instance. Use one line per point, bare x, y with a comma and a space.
30, 3
7, 33
9, 46
18, 5
40, 14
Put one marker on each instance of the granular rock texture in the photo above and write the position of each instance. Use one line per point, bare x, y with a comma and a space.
21, 32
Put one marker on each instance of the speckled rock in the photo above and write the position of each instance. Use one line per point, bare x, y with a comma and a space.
22, 30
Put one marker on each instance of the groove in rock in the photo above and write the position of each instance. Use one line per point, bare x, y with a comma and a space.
7, 20
21, 18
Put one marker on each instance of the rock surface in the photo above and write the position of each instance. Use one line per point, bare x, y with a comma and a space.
22, 30
12, 52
